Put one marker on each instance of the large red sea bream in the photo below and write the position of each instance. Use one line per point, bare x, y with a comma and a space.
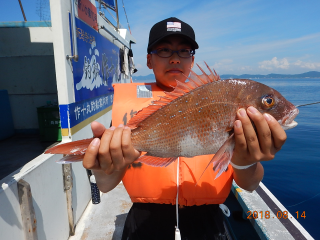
196, 118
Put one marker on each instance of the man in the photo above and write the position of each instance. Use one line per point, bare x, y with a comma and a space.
171, 51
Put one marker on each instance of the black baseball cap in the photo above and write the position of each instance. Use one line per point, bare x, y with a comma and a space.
171, 26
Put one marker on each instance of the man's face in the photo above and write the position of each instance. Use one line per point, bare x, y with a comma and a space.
167, 70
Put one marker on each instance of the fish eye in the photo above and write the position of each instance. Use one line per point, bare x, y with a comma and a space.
268, 101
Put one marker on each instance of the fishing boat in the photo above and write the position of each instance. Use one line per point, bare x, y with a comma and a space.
66, 70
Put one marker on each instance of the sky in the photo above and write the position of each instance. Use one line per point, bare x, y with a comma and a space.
235, 37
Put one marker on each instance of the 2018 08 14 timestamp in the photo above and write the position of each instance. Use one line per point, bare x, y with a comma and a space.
279, 215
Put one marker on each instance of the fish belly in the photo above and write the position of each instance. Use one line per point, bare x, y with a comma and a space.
190, 126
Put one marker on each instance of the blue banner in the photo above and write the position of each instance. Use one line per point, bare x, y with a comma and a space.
98, 64
80, 111
110, 3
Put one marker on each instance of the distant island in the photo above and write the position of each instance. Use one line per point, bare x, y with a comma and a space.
311, 74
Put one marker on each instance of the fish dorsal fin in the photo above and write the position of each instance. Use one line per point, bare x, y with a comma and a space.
213, 76
194, 81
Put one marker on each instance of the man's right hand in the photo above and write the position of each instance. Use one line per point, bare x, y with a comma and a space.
111, 150
109, 154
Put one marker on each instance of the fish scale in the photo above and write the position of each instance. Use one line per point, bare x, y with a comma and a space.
200, 122
196, 118
194, 122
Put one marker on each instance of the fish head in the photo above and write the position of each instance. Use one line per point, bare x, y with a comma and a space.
269, 100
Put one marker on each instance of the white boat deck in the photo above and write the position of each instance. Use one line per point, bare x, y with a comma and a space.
105, 220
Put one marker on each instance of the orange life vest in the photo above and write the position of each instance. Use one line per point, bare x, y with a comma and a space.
149, 184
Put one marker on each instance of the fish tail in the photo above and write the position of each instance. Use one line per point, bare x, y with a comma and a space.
222, 158
71, 148
70, 159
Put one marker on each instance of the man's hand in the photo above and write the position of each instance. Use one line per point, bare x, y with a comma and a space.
260, 145
109, 155
113, 152
253, 146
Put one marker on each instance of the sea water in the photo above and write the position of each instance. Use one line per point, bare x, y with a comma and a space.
293, 176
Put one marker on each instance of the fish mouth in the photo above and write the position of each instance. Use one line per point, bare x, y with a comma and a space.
287, 122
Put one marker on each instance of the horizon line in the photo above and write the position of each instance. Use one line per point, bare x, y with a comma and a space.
248, 74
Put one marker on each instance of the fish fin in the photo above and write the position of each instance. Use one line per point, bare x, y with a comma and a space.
184, 86
199, 80
74, 148
194, 78
204, 77
213, 76
70, 159
156, 161
180, 89
222, 157
143, 114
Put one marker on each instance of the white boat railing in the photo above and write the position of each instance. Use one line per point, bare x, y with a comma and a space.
48, 198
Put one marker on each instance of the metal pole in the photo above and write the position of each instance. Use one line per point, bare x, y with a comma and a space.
75, 56
24, 16
117, 14
126, 16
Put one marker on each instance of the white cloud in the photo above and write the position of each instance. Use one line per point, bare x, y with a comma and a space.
220, 66
274, 63
284, 63
225, 30
241, 50
138, 65
226, 66
245, 68
308, 65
